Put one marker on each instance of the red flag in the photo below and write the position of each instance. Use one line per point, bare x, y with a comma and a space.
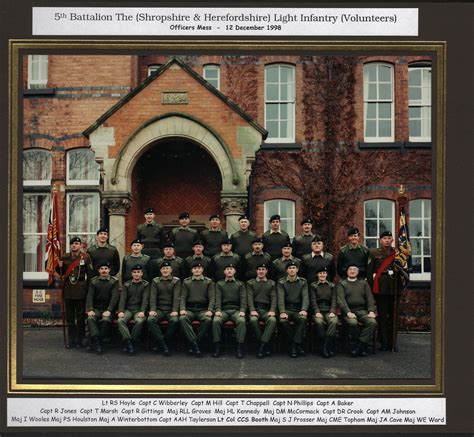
53, 247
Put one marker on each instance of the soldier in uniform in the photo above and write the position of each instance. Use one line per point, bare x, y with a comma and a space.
183, 236
136, 257
102, 251
151, 234
322, 295
198, 248
302, 243
255, 258
102, 298
262, 303
214, 236
275, 238
177, 263
353, 253
279, 264
76, 268
165, 293
226, 257
293, 302
384, 279
312, 262
357, 304
242, 239
196, 303
231, 304
132, 306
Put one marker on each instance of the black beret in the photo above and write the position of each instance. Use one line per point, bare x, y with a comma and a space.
226, 241
352, 231
317, 238
137, 267
196, 263
352, 265
386, 234
288, 244
262, 265
307, 220
102, 229
104, 264
274, 217
197, 242
149, 210
230, 265
165, 264
243, 217
323, 269
136, 241
74, 240
291, 264
183, 215
213, 216
168, 244
257, 240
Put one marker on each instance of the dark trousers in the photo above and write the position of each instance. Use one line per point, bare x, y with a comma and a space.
385, 308
75, 320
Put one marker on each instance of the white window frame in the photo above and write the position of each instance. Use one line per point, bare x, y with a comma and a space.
379, 139
42, 80
423, 276
80, 181
43, 275
38, 182
214, 67
68, 199
378, 219
152, 68
425, 102
289, 139
291, 220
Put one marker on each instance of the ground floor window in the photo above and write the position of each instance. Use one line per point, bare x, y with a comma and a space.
419, 227
286, 210
83, 216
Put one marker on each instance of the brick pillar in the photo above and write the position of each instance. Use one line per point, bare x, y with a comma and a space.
233, 206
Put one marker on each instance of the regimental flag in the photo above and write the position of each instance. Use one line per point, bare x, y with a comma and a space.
403, 252
53, 247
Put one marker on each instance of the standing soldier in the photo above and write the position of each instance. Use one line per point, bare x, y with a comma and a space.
104, 252
183, 236
226, 257
353, 253
357, 304
214, 236
231, 304
132, 306
76, 267
275, 238
165, 293
177, 263
279, 264
196, 303
262, 303
293, 302
322, 295
198, 248
135, 258
102, 298
302, 242
242, 239
255, 258
317, 259
151, 234
384, 278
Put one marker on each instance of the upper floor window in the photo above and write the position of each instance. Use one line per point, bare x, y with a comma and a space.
419, 101
419, 227
285, 209
37, 71
37, 167
82, 169
152, 68
280, 102
212, 74
378, 103
378, 218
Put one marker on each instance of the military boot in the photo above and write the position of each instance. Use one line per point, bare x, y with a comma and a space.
325, 349
69, 338
216, 350
130, 348
196, 350
293, 351
261, 351
165, 350
97, 345
331, 347
300, 350
240, 350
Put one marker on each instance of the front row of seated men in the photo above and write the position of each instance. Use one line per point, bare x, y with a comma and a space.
197, 297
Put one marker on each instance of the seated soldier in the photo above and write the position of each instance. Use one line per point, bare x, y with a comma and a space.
132, 306
357, 304
231, 304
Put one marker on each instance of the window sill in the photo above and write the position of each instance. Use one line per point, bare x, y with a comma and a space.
280, 146
39, 92
421, 284
381, 145
417, 145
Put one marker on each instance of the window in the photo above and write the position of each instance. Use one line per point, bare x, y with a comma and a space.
419, 228
419, 101
280, 103
82, 169
212, 74
378, 217
83, 216
35, 232
286, 210
37, 71
153, 68
378, 103
36, 167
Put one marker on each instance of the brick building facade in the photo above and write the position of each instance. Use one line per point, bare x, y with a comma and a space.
343, 139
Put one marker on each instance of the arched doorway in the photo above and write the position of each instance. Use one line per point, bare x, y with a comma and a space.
172, 176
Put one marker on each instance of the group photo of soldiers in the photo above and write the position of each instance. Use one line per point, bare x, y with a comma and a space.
185, 288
